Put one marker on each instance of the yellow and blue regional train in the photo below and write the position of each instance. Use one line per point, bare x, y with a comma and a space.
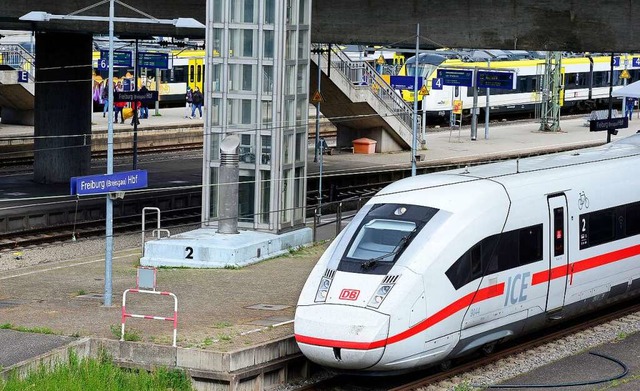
584, 80
187, 69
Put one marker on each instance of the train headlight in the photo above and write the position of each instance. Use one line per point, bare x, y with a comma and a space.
381, 293
323, 289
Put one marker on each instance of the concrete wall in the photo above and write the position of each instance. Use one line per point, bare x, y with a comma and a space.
586, 25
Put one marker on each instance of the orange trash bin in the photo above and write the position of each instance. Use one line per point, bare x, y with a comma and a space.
364, 145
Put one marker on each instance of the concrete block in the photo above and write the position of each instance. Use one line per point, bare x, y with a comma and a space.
200, 359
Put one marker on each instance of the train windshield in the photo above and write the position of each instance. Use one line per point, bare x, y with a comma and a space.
382, 236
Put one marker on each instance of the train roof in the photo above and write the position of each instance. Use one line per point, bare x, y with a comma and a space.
516, 172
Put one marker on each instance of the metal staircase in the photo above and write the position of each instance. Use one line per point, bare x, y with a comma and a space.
370, 102
16, 57
17, 100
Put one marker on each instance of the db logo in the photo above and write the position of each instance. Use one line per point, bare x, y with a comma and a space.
349, 294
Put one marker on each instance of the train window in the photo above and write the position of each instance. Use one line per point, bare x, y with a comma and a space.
558, 232
191, 74
507, 251
382, 237
597, 228
478, 261
530, 244
633, 219
379, 239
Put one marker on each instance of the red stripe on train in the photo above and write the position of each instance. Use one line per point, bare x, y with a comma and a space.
585, 264
464, 302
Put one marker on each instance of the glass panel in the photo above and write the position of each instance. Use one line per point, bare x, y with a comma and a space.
303, 18
249, 11
287, 148
266, 112
246, 151
290, 45
232, 110
234, 39
558, 231
300, 147
269, 11
298, 196
216, 45
266, 150
265, 196
234, 77
303, 49
247, 111
215, 76
217, 11
289, 12
379, 239
267, 79
216, 114
213, 211
302, 83
247, 43
285, 203
302, 108
290, 79
289, 112
246, 195
268, 43
215, 147
247, 77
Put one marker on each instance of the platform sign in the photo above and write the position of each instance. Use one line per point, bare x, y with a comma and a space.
23, 77
102, 184
498, 80
608, 124
436, 83
153, 60
616, 61
635, 62
405, 82
456, 77
121, 58
148, 96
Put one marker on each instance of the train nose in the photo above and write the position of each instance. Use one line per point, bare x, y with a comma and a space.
341, 337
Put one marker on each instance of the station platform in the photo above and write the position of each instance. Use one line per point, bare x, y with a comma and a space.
234, 325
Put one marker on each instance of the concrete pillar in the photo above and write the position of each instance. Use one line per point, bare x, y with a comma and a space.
62, 125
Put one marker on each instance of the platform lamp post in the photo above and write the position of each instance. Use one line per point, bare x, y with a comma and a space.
41, 16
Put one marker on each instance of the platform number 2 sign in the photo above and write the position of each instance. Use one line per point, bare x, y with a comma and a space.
188, 252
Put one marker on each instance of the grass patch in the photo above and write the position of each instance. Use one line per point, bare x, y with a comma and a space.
224, 337
221, 325
39, 330
130, 334
97, 375
81, 292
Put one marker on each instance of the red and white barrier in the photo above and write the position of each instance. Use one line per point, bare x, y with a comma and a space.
173, 319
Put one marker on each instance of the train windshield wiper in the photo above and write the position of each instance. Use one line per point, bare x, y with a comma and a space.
399, 247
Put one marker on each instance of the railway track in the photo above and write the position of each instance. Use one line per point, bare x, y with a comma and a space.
94, 228
433, 376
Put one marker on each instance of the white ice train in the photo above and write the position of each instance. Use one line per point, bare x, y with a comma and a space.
439, 265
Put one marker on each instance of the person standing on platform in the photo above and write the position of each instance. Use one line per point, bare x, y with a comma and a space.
144, 110
189, 101
630, 104
119, 106
197, 103
105, 98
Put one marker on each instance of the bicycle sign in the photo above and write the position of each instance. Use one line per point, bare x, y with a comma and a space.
583, 201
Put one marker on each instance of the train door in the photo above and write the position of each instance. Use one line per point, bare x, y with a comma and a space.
195, 76
558, 252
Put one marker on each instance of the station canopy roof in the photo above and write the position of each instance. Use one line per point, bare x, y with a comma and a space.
630, 91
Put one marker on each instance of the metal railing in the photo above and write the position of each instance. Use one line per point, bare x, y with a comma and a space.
361, 75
